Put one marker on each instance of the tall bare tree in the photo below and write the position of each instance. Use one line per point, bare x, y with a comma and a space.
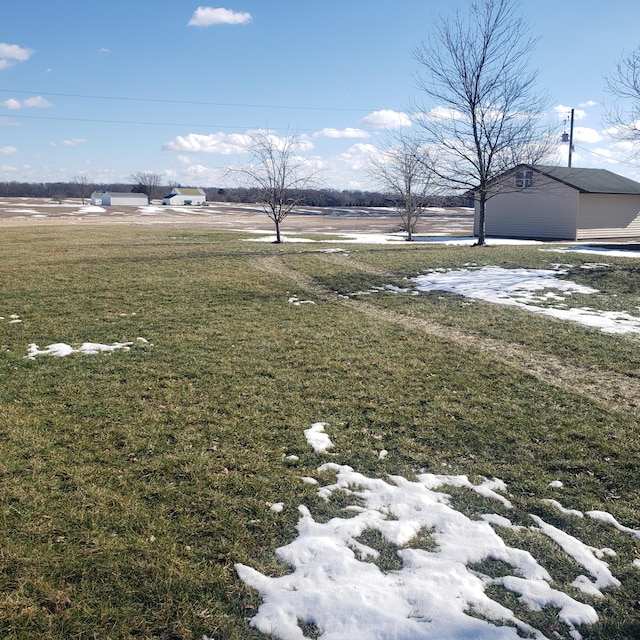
402, 169
277, 172
486, 114
146, 182
624, 84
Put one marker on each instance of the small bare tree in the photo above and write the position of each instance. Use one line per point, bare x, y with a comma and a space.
402, 169
146, 182
83, 182
488, 115
277, 172
624, 84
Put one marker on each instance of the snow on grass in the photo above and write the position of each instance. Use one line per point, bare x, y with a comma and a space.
619, 253
596, 515
318, 440
336, 586
61, 349
296, 302
609, 519
527, 289
585, 556
91, 208
439, 590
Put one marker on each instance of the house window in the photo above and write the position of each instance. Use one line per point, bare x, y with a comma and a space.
524, 179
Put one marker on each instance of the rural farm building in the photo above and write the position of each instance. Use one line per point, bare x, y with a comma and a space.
180, 195
110, 198
562, 203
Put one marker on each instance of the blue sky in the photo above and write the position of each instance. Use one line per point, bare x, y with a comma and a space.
105, 89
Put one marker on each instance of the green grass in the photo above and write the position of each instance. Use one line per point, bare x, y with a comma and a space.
132, 482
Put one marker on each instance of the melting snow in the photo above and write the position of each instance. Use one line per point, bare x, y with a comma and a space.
527, 289
317, 438
336, 585
296, 302
61, 349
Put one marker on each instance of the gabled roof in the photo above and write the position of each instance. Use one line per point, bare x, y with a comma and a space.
186, 191
587, 180
125, 194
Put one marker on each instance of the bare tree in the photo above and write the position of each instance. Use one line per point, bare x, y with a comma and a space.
402, 169
276, 171
488, 115
83, 182
146, 182
624, 84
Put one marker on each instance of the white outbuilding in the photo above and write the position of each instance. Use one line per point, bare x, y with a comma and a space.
110, 198
185, 196
562, 203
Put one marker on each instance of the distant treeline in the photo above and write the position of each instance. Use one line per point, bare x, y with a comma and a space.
310, 198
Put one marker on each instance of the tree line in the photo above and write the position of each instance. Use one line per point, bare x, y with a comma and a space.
305, 197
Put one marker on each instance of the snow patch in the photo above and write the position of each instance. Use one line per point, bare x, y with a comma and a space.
61, 349
317, 438
336, 585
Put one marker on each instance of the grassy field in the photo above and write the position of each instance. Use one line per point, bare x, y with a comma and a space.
132, 482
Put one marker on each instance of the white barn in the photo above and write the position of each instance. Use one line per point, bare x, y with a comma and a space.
181, 195
562, 203
110, 198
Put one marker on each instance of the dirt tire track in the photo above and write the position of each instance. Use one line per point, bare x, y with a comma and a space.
616, 391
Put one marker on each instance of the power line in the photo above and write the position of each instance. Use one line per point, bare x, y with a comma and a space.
602, 155
136, 122
188, 102
149, 123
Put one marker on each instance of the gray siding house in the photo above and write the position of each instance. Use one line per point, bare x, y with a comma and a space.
562, 203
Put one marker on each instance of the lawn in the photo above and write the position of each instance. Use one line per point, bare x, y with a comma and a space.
139, 485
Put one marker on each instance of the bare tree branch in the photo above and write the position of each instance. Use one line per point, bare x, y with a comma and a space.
146, 182
488, 119
277, 172
402, 169
624, 85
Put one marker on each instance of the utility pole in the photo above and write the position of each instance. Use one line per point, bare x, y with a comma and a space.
568, 137
571, 138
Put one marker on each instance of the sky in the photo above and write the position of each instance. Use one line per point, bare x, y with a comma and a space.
104, 90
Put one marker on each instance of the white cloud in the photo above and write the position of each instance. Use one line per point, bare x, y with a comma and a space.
74, 142
586, 135
104, 50
349, 132
223, 143
386, 119
12, 103
12, 53
7, 150
207, 16
35, 101
357, 158
563, 111
38, 102
444, 113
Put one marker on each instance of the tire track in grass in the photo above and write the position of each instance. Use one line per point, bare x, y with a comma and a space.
615, 391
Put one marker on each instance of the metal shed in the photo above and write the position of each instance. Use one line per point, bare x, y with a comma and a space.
110, 198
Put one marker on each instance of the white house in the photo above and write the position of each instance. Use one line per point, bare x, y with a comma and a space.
562, 203
110, 198
181, 195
